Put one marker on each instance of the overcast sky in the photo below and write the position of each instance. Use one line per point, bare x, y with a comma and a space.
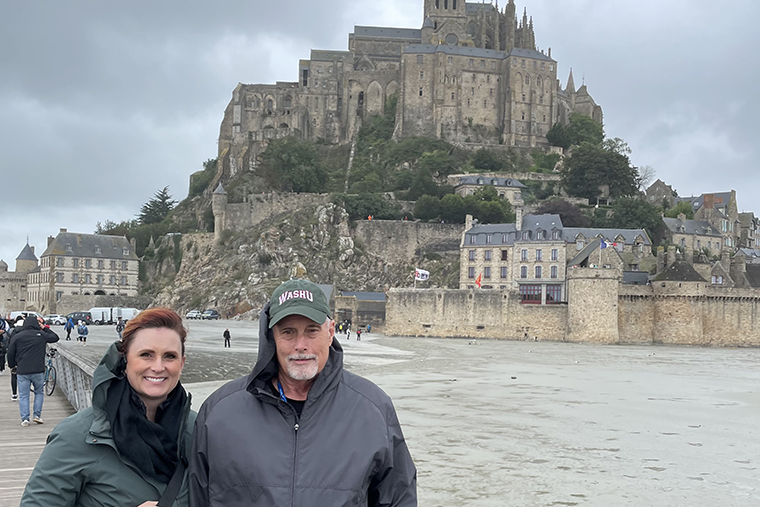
102, 103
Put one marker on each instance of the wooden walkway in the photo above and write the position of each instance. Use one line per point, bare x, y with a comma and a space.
21, 447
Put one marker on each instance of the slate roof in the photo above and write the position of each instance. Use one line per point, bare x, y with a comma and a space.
680, 271
697, 227
749, 252
454, 50
501, 234
753, 275
635, 277
26, 254
609, 234
584, 254
3, 265
388, 32
90, 245
497, 182
220, 189
327, 289
530, 53
477, 7
720, 198
365, 296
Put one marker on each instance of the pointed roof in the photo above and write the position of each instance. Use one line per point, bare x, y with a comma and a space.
27, 254
427, 23
570, 82
680, 271
220, 189
3, 265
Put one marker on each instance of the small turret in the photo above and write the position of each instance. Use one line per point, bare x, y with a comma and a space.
219, 208
570, 88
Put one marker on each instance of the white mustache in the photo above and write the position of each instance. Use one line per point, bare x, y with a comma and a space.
301, 357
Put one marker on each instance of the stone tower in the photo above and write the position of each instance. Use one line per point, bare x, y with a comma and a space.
219, 207
26, 260
449, 18
592, 305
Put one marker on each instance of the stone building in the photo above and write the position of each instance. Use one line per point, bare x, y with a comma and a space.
471, 73
660, 193
532, 256
721, 211
82, 264
696, 235
507, 188
13, 290
750, 231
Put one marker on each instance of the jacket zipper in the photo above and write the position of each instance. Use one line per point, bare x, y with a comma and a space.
295, 460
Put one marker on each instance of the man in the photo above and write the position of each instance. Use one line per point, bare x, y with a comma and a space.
120, 327
300, 430
4, 340
226, 335
27, 354
68, 328
82, 332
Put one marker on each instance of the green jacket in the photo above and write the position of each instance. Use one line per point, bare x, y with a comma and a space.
81, 467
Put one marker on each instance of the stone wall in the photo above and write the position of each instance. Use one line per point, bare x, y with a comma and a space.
399, 240
471, 314
71, 303
359, 312
260, 207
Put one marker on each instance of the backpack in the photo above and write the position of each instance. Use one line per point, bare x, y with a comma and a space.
82, 330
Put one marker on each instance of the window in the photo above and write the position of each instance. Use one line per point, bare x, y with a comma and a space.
699, 245
58, 295
487, 272
452, 95
124, 265
482, 64
450, 60
420, 59
112, 280
59, 277
75, 278
472, 239
555, 254
59, 262
422, 74
526, 235
579, 245
488, 78
123, 280
472, 255
485, 103
76, 263
487, 255
420, 91
523, 271
538, 271
472, 62
87, 278
539, 254
523, 116
522, 64
472, 92
717, 280
523, 99
530, 294
471, 272
490, 92
113, 264
493, 65
553, 294
489, 238
553, 271
503, 273
524, 254
88, 263
100, 264
504, 254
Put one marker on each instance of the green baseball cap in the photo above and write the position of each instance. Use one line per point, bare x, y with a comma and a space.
298, 297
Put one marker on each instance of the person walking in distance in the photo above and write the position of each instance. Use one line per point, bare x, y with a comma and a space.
226, 335
82, 332
3, 343
300, 430
120, 327
359, 334
14, 328
69, 327
27, 354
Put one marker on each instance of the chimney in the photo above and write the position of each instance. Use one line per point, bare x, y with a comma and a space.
688, 255
50, 240
709, 202
671, 255
660, 259
518, 218
682, 217
30, 246
133, 242
550, 52
467, 222
63, 230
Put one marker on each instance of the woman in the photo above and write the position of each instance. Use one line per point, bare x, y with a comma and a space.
124, 450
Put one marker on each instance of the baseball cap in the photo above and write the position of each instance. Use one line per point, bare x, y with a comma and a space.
298, 297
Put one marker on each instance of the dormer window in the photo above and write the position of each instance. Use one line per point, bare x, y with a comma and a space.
494, 181
68, 248
125, 251
526, 235
97, 249
555, 234
480, 181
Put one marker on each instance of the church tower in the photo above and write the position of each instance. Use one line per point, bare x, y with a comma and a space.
449, 18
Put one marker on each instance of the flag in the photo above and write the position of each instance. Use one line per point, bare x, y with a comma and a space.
603, 244
421, 275
477, 280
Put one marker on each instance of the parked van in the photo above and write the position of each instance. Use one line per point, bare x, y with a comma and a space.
102, 315
14, 315
125, 313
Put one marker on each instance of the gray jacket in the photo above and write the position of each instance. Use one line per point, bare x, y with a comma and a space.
346, 449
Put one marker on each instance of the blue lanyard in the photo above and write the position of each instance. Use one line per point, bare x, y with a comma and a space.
282, 393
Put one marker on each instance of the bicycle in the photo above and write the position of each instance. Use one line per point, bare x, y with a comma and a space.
50, 374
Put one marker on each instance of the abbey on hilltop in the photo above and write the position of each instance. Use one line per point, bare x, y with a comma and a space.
471, 75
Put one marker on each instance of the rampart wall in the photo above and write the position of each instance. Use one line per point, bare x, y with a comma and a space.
259, 207
399, 240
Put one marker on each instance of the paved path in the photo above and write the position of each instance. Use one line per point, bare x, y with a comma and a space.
21, 447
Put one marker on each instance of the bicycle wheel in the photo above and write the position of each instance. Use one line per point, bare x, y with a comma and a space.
50, 381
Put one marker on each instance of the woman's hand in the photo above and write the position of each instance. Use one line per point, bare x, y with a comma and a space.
148, 504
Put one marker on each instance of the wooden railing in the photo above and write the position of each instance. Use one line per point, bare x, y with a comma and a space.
74, 377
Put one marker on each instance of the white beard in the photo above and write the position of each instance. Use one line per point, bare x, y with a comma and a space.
303, 372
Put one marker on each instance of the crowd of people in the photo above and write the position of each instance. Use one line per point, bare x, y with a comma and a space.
298, 430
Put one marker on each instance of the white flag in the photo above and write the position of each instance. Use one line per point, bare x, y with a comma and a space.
421, 274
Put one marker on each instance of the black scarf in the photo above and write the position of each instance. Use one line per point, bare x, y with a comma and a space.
150, 446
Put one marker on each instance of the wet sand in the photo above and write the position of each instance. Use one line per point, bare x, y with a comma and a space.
498, 423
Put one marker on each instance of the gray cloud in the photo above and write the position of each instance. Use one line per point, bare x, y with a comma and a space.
102, 104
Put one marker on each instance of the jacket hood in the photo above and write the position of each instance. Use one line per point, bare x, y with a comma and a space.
111, 367
267, 367
31, 322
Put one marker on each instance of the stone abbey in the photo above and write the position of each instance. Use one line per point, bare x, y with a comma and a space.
471, 75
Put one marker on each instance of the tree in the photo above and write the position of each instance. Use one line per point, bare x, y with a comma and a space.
427, 207
158, 208
630, 213
452, 208
486, 160
423, 184
646, 175
684, 207
570, 214
592, 166
437, 162
292, 165
580, 129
